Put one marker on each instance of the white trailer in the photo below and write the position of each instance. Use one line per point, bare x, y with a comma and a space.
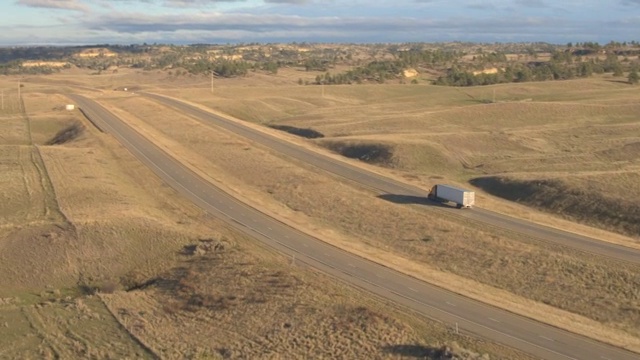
462, 198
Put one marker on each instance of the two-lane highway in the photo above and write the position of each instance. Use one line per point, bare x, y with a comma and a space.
388, 186
470, 316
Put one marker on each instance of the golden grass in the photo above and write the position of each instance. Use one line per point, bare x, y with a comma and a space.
64, 329
349, 218
266, 308
539, 129
118, 225
440, 120
22, 195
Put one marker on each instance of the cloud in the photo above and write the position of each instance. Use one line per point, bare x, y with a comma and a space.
200, 3
261, 23
54, 4
219, 21
531, 3
296, 2
195, 3
482, 6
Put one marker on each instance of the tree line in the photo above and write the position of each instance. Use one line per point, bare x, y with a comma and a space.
562, 66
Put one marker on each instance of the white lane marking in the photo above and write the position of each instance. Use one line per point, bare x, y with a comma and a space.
546, 338
494, 320
452, 304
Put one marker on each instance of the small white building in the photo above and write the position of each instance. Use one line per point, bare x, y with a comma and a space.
70, 107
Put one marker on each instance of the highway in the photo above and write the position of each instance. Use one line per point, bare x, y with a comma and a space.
392, 188
468, 315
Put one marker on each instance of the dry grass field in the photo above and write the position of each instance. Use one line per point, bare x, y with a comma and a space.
571, 132
100, 259
604, 293
228, 301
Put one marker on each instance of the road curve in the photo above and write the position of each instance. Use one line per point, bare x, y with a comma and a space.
391, 188
468, 315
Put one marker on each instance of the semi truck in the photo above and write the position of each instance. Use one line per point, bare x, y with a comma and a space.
446, 193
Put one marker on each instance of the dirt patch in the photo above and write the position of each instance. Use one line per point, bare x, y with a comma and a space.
306, 133
371, 153
552, 195
68, 134
205, 246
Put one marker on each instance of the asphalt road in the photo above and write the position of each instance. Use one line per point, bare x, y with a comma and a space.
396, 191
468, 315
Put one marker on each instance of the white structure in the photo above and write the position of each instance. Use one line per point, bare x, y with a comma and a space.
70, 107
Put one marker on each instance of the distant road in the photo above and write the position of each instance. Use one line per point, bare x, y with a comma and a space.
470, 316
401, 192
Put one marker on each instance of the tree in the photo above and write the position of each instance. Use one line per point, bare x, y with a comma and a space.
634, 78
585, 69
271, 67
523, 75
617, 70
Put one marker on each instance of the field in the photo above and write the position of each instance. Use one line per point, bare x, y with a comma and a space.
564, 153
552, 283
100, 259
571, 132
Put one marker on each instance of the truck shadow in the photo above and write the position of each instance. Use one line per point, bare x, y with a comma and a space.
411, 200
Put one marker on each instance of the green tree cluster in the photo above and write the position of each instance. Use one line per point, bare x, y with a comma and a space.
634, 78
223, 68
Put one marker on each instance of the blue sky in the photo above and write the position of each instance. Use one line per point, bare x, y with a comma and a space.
57, 22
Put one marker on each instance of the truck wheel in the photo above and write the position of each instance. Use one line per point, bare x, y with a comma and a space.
459, 206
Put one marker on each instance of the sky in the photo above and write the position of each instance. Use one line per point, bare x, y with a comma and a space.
86, 22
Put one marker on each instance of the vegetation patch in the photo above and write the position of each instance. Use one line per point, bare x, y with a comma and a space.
67, 134
231, 303
378, 154
590, 207
306, 133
